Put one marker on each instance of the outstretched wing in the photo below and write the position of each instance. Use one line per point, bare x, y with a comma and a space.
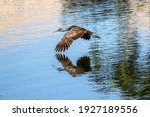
65, 61
68, 38
84, 63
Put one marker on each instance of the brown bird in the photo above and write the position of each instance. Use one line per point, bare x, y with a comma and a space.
73, 33
82, 65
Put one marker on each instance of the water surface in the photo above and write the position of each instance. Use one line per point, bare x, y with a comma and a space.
114, 67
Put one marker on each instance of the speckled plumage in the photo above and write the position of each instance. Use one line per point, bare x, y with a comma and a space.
74, 32
82, 64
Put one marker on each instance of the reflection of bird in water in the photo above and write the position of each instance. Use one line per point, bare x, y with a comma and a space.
82, 65
74, 32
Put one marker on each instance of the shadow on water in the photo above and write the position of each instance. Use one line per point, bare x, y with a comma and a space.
82, 65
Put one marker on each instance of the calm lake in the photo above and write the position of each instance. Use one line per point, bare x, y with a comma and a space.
115, 67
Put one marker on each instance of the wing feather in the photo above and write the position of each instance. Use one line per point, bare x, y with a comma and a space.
64, 60
68, 39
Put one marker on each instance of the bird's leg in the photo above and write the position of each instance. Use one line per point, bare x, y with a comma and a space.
96, 36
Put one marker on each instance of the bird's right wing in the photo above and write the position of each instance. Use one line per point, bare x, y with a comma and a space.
68, 38
84, 62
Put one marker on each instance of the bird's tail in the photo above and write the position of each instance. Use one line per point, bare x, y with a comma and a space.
96, 36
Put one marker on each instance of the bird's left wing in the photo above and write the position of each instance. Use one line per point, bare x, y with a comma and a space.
68, 38
64, 60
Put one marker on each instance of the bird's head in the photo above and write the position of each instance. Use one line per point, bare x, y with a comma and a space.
60, 30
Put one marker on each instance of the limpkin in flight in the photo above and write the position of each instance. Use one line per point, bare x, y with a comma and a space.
82, 65
73, 33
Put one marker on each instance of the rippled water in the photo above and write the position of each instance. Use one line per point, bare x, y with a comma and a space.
114, 67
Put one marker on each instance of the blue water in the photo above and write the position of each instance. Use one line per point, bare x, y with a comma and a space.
119, 62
